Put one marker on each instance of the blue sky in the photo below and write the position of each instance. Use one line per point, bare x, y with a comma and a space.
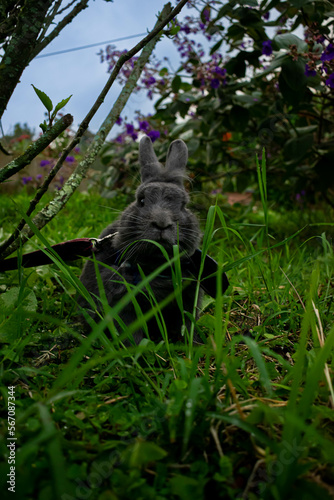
81, 73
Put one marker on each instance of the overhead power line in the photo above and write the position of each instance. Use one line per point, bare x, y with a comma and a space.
89, 46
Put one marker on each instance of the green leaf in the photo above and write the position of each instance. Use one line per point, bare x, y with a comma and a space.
216, 47
285, 40
247, 99
176, 84
300, 3
236, 32
43, 126
9, 300
163, 72
252, 3
187, 87
296, 148
276, 63
238, 118
184, 487
60, 105
293, 73
15, 308
174, 30
226, 467
236, 66
292, 97
142, 453
224, 11
45, 99
189, 98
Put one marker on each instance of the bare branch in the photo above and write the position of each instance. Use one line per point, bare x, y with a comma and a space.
49, 20
83, 4
66, 7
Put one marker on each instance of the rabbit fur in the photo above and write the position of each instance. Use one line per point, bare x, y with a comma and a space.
159, 213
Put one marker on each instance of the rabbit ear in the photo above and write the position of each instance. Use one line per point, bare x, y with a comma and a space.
177, 156
149, 165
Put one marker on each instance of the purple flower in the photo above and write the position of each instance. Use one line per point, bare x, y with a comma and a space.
129, 128
77, 149
39, 177
134, 136
266, 16
119, 121
267, 49
120, 139
25, 180
70, 159
43, 163
324, 68
220, 71
150, 81
330, 81
215, 83
154, 135
144, 126
186, 29
309, 71
328, 53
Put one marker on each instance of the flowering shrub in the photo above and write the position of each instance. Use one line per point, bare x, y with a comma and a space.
269, 88
149, 79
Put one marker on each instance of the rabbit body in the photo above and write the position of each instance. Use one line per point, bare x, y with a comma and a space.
158, 214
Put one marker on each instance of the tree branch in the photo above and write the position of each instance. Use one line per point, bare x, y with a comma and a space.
66, 7
34, 149
83, 4
61, 198
49, 20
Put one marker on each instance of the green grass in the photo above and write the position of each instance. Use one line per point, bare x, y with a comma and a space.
249, 414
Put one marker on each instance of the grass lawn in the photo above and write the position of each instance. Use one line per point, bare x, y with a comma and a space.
247, 415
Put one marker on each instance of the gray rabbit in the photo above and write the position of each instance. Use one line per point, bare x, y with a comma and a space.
159, 213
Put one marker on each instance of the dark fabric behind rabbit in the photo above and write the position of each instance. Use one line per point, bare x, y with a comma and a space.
159, 213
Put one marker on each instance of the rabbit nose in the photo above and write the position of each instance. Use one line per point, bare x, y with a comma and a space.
161, 224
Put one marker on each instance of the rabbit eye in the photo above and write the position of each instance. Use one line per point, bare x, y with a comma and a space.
142, 202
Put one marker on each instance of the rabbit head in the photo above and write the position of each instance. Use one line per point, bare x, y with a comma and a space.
160, 211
